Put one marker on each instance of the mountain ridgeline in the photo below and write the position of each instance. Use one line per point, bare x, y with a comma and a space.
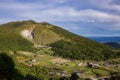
113, 44
29, 35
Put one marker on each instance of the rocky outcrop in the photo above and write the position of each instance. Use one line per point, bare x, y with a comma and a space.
28, 33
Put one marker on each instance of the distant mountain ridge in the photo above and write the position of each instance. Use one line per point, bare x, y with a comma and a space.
106, 39
113, 44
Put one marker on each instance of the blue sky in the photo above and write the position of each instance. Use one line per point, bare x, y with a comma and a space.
83, 17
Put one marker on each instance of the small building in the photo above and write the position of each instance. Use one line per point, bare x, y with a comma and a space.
106, 64
91, 65
79, 64
61, 73
51, 73
34, 60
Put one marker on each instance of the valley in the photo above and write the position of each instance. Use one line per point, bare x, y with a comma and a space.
60, 67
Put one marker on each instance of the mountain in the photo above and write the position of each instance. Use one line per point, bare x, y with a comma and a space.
106, 39
113, 44
42, 51
29, 35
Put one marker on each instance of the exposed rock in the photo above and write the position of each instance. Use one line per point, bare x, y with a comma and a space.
79, 64
28, 33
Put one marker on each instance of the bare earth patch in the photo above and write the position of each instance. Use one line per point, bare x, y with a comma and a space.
59, 60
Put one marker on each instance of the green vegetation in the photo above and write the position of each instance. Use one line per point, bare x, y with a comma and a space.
52, 52
77, 47
19, 71
10, 39
14, 42
7, 68
44, 36
76, 50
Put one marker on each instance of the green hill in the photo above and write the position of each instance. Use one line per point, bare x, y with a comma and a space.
26, 35
42, 51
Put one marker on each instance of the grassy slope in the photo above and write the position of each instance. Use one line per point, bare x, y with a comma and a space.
10, 39
46, 34
77, 47
14, 42
43, 35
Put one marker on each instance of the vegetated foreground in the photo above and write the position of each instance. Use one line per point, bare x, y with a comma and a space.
41, 51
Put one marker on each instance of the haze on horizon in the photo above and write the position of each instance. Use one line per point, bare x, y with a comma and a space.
83, 17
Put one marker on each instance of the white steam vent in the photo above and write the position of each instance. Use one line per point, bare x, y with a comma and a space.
28, 33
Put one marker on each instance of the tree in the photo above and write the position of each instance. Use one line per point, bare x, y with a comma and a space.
74, 76
7, 68
30, 77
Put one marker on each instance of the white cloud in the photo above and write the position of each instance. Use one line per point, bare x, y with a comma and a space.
70, 14
106, 4
114, 7
46, 12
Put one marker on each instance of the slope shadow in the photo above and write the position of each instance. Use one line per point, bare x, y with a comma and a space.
7, 68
